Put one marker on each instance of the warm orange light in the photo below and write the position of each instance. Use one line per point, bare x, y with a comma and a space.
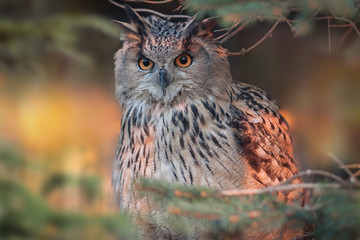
44, 121
289, 117
67, 131
54, 120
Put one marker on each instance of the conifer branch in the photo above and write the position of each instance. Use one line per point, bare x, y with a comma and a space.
276, 188
310, 172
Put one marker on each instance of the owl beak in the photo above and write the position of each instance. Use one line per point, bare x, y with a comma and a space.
164, 80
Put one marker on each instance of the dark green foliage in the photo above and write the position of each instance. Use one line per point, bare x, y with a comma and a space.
330, 213
89, 185
338, 216
250, 11
301, 16
25, 215
30, 44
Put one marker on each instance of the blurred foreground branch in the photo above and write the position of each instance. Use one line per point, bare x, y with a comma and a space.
35, 42
301, 16
330, 210
26, 215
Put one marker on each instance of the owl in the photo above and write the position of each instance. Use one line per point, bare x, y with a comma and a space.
185, 119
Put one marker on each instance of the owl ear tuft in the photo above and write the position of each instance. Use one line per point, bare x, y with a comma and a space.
137, 27
191, 24
135, 19
127, 26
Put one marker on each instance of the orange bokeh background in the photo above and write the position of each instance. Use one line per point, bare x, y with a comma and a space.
67, 119
64, 130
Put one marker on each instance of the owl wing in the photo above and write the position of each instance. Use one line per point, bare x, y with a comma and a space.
261, 134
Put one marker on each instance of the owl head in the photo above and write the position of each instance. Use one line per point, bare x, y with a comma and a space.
168, 62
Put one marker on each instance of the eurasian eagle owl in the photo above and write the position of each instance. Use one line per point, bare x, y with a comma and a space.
185, 120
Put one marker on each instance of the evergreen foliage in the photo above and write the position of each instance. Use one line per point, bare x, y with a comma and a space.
252, 11
331, 210
29, 44
26, 215
301, 16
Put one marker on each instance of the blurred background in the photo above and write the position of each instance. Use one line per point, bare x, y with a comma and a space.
59, 120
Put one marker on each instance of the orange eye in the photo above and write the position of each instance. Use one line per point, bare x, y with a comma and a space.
145, 63
183, 60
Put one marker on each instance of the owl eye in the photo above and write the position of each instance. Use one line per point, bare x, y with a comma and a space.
183, 60
145, 63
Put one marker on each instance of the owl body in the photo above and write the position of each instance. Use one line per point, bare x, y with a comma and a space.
185, 120
226, 144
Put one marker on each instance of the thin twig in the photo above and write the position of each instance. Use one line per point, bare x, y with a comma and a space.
234, 218
288, 21
271, 189
340, 25
310, 172
351, 27
230, 35
344, 36
154, 2
228, 30
353, 24
150, 11
343, 166
267, 35
179, 211
323, 18
356, 30
329, 34
355, 165
222, 30
342, 19
180, 7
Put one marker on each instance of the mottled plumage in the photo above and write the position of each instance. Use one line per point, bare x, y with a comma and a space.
192, 125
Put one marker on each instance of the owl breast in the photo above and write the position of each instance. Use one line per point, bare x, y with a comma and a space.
189, 143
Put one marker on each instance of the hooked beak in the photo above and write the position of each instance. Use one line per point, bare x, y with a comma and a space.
164, 80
